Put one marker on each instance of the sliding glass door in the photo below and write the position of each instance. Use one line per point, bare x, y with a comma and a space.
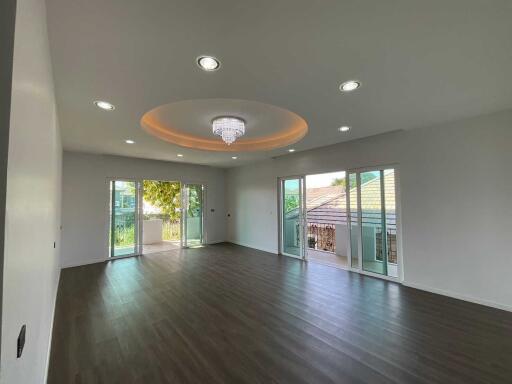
292, 217
148, 216
373, 224
372, 215
193, 217
123, 218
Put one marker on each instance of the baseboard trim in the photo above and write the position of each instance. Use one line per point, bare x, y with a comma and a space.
95, 261
215, 242
453, 295
81, 263
273, 251
50, 337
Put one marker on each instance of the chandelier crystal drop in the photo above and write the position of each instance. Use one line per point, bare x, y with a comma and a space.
229, 128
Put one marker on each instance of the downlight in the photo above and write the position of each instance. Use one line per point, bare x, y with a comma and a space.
208, 63
349, 86
105, 105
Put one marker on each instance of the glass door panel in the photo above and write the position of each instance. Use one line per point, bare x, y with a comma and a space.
193, 201
292, 204
123, 218
373, 224
353, 219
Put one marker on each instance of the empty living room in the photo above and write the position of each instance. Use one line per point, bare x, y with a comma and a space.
285, 191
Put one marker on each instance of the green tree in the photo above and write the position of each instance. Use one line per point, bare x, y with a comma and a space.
164, 195
365, 177
341, 181
291, 202
195, 192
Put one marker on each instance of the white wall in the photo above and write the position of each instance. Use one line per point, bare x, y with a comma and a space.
456, 188
32, 202
7, 23
85, 199
341, 237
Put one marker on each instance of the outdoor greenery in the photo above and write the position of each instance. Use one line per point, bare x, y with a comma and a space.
124, 236
339, 181
365, 177
195, 192
164, 195
171, 230
291, 202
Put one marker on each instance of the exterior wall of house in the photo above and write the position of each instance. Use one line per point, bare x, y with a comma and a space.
455, 201
341, 234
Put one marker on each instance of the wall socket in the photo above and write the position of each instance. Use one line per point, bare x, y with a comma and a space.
21, 341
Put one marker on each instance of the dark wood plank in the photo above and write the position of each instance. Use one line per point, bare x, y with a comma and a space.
229, 314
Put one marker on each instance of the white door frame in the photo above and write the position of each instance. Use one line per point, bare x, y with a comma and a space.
139, 195
110, 210
357, 171
301, 213
360, 269
184, 196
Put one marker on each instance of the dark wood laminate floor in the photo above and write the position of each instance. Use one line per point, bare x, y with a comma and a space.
228, 314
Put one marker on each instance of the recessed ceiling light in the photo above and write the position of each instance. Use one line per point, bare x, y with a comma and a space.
291, 150
129, 142
104, 105
344, 128
179, 155
234, 157
208, 63
350, 85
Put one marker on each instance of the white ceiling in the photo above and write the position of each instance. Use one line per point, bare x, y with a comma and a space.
421, 63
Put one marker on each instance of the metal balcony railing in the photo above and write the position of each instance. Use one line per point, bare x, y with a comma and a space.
322, 237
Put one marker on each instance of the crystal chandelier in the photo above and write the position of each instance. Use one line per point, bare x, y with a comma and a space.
229, 128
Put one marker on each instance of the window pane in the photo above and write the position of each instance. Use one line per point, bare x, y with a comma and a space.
291, 217
354, 220
372, 222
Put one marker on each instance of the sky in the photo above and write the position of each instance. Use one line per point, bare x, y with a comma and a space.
322, 179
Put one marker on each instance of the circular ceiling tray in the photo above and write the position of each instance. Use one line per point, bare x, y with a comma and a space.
188, 124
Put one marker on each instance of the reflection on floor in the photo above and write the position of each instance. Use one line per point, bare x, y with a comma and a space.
378, 267
124, 251
229, 314
327, 258
162, 246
